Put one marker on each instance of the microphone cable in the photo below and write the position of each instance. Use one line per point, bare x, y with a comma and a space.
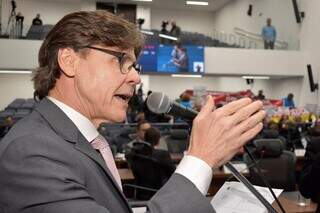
256, 165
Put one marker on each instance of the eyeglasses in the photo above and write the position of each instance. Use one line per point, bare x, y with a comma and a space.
125, 64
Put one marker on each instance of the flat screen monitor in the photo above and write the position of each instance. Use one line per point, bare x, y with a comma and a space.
148, 58
183, 59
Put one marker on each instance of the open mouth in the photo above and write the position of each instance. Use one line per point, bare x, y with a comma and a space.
124, 97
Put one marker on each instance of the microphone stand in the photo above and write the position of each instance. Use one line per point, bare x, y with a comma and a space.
249, 186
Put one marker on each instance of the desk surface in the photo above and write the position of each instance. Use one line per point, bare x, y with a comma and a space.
126, 175
289, 202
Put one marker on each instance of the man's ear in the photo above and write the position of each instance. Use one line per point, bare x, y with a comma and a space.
67, 59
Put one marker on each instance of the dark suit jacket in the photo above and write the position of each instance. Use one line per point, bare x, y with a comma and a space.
47, 166
309, 185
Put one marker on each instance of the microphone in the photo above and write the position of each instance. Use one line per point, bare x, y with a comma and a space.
159, 103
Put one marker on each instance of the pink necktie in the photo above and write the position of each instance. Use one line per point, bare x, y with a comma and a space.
102, 145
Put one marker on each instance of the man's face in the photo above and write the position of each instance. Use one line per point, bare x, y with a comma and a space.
101, 88
142, 130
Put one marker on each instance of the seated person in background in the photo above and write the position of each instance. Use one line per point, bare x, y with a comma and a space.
288, 101
5, 125
260, 95
309, 185
139, 135
37, 20
185, 100
152, 136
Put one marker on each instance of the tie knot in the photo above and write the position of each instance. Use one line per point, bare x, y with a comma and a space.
99, 142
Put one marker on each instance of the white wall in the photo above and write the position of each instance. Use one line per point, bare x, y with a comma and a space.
14, 86
88, 5
192, 21
19, 54
254, 62
234, 14
144, 13
310, 44
51, 11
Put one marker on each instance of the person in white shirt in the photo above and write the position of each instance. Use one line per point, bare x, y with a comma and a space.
54, 160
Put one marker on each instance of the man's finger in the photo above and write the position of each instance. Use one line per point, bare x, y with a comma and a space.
234, 106
208, 107
248, 135
246, 112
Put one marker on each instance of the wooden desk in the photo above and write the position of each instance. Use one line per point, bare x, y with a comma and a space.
126, 175
289, 203
122, 162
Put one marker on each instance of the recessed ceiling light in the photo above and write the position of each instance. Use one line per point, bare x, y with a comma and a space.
201, 3
147, 32
186, 76
15, 71
143, 0
256, 77
168, 37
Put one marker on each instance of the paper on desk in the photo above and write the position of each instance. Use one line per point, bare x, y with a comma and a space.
120, 156
236, 198
240, 167
139, 210
299, 152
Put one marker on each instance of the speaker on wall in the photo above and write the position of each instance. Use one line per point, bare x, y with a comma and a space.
249, 81
313, 86
296, 11
249, 12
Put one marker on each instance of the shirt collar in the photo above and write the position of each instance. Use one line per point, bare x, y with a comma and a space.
84, 125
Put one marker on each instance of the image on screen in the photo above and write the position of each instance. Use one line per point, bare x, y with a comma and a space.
174, 59
148, 58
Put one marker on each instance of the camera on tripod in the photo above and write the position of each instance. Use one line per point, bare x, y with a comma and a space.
13, 5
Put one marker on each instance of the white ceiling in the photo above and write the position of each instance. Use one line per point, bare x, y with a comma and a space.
166, 4
176, 4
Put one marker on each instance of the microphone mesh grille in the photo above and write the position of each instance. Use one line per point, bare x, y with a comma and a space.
158, 102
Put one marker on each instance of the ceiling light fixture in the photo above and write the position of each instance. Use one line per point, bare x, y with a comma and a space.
143, 0
15, 71
186, 76
199, 3
256, 77
168, 37
147, 32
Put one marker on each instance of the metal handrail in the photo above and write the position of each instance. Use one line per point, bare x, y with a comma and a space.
258, 37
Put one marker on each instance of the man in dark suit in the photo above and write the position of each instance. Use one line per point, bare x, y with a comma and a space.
54, 160
152, 136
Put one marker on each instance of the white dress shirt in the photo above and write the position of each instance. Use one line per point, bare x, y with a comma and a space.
193, 168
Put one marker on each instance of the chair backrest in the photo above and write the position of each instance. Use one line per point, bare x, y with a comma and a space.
15, 104
177, 141
35, 32
277, 165
148, 172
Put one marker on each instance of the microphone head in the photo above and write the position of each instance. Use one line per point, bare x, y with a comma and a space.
158, 103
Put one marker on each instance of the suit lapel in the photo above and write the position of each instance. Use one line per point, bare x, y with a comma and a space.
64, 127
84, 146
